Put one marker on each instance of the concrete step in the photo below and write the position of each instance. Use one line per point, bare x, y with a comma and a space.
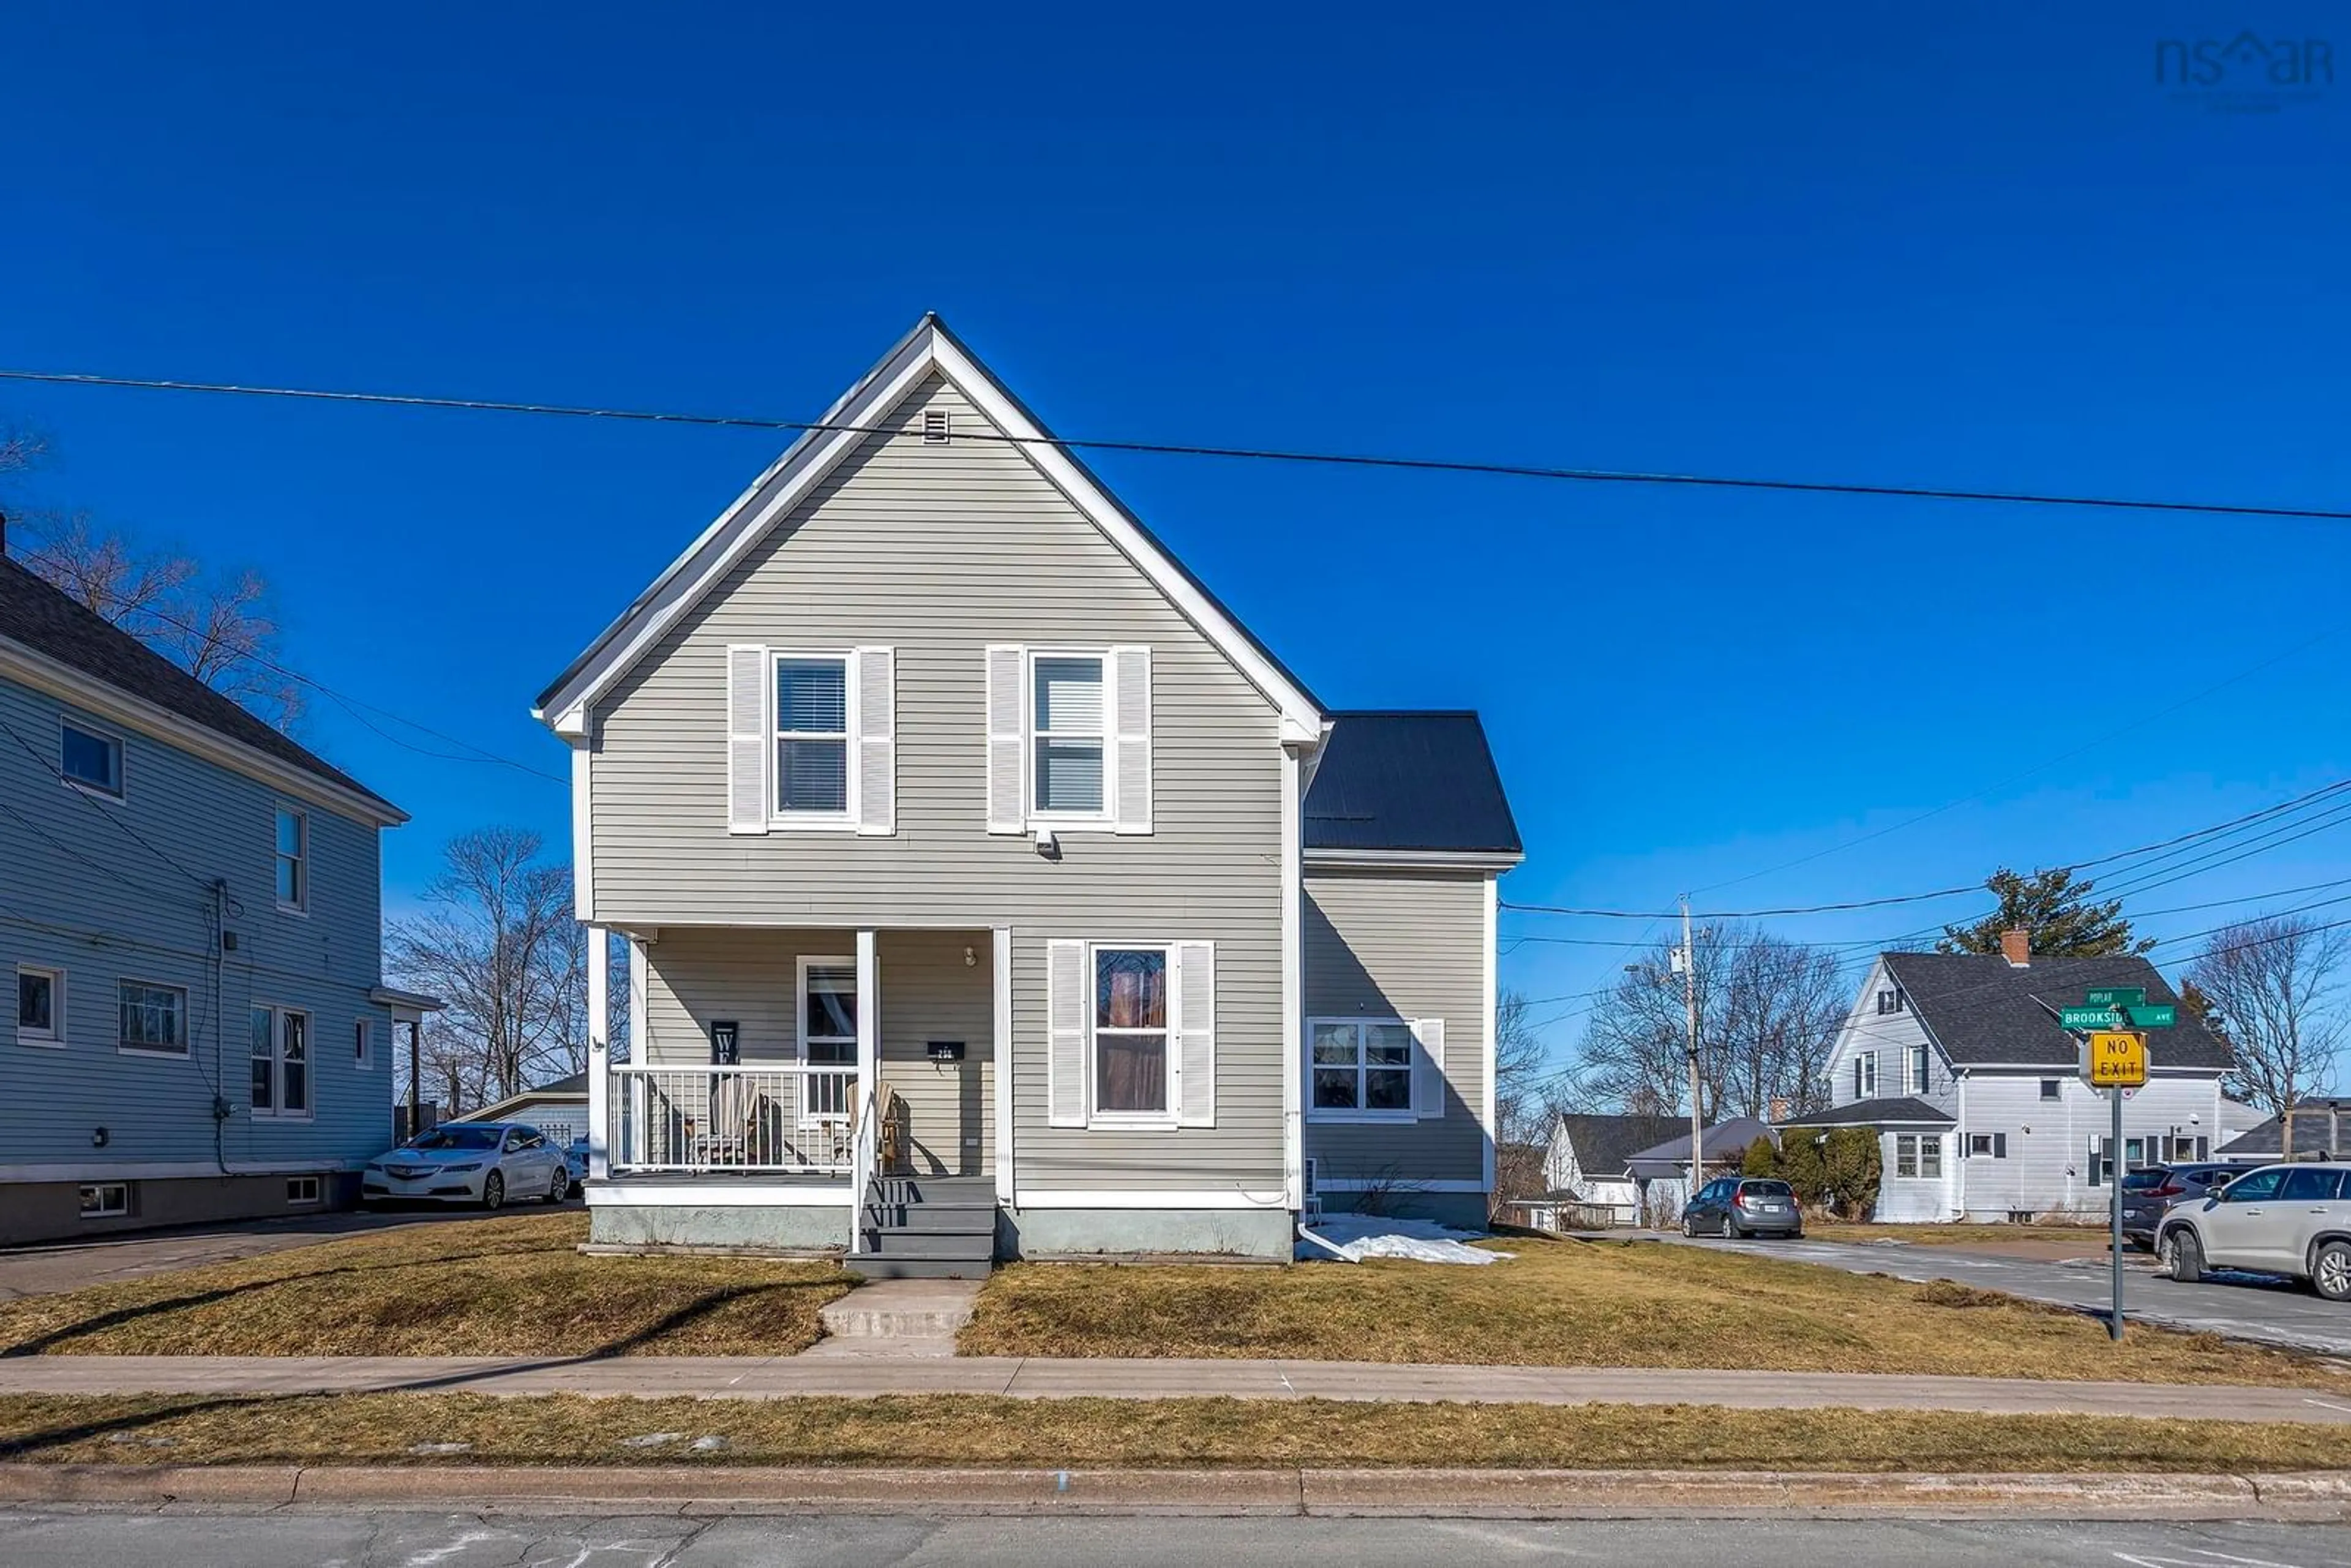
919, 1312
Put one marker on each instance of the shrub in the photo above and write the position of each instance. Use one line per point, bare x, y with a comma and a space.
1763, 1159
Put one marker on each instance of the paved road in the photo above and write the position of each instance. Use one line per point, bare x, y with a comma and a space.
47, 1268
183, 1539
2239, 1306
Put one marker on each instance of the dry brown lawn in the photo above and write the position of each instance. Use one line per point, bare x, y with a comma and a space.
494, 1287
2090, 1237
972, 1429
1590, 1303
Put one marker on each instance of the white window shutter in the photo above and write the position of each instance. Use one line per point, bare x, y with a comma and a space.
1008, 739
1131, 738
1066, 996
876, 722
749, 740
1194, 990
1428, 1067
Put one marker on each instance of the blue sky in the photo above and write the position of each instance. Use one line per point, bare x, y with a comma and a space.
1975, 247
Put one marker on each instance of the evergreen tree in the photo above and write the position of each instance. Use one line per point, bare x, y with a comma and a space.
2056, 909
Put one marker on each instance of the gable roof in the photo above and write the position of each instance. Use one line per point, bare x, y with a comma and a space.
57, 628
929, 349
1604, 1144
1900, 1111
1404, 781
574, 1087
1719, 1141
2311, 1132
1983, 1011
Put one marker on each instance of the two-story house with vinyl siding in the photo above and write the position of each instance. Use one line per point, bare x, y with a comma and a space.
1958, 1063
197, 1026
990, 890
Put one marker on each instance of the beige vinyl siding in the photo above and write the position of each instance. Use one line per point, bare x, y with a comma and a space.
938, 551
1408, 945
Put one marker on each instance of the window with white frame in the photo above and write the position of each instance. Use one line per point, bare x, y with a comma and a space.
2051, 1088
90, 759
1068, 736
811, 737
828, 1034
1864, 1075
364, 1044
293, 859
1918, 1156
303, 1189
154, 1018
281, 1062
1893, 999
40, 1006
1988, 1145
1363, 1067
1917, 1064
1130, 1066
105, 1200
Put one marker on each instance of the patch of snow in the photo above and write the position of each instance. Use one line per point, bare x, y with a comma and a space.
651, 1439
1355, 1237
709, 1445
441, 1447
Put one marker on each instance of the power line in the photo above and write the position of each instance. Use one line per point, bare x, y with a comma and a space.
1195, 449
116, 818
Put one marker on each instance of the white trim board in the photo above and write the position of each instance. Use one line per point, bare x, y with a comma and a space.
1400, 860
1270, 1198
927, 351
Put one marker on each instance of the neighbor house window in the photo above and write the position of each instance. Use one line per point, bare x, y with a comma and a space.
1893, 1000
293, 859
1918, 1156
364, 1043
828, 1033
1864, 1075
154, 1018
1363, 1065
2050, 1089
281, 1062
1067, 734
90, 759
1131, 1032
811, 736
1918, 1084
105, 1200
1988, 1145
40, 1006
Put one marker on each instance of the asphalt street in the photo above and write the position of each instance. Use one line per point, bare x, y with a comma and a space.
2240, 1306
300, 1540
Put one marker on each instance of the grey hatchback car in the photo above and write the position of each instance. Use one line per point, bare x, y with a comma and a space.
2150, 1193
1743, 1205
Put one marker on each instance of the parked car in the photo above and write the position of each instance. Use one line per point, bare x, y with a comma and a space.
470, 1162
1743, 1205
575, 1159
2293, 1220
2149, 1195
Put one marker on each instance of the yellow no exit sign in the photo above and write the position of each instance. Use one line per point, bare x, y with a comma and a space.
2115, 1059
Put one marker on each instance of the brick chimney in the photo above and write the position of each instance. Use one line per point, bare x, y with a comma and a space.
2016, 946
1780, 1109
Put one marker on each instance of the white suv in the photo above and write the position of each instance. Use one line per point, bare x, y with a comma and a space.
2278, 1219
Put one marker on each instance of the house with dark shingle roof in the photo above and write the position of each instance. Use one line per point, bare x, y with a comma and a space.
190, 934
1958, 1062
1589, 1160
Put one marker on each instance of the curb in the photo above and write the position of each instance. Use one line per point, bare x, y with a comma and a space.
2319, 1495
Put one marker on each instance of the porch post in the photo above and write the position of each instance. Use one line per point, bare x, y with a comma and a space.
600, 1051
999, 1050
416, 1072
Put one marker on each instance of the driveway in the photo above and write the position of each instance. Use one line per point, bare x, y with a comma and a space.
2238, 1306
47, 1268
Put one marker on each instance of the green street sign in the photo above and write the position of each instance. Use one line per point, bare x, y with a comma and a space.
2115, 996
2153, 1015
2085, 1020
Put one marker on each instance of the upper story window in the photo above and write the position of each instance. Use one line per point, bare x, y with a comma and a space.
1865, 1076
40, 1006
91, 759
1918, 1084
1894, 1000
154, 1018
1067, 730
811, 737
293, 859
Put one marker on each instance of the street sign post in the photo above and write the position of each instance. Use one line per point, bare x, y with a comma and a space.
2114, 1058
2115, 996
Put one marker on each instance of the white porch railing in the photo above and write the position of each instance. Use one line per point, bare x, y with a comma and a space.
768, 1119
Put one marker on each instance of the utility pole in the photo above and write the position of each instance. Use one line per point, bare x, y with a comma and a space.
1689, 1003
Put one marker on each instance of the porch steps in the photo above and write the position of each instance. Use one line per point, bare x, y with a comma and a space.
927, 1228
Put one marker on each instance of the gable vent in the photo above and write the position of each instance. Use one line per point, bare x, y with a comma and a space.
935, 427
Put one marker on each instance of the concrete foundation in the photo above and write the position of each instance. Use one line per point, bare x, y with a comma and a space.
1461, 1210
1258, 1234
51, 1211
761, 1227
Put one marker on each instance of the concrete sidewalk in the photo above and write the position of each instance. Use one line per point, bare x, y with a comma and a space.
784, 1377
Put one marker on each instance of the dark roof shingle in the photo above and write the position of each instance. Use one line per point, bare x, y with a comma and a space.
1409, 781
50, 623
1603, 1143
1983, 1011
1903, 1110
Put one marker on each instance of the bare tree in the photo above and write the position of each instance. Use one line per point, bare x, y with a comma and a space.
500, 945
221, 629
2273, 985
1768, 1015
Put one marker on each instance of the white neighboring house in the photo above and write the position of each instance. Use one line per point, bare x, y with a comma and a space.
1586, 1165
1958, 1063
559, 1109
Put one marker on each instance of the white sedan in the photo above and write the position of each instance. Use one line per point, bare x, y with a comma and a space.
488, 1162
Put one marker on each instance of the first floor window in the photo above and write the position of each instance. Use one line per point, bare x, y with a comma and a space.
281, 1062
2050, 1089
40, 1011
828, 1032
1131, 1030
1067, 729
811, 736
105, 1200
1918, 1156
154, 1018
90, 759
1360, 1065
